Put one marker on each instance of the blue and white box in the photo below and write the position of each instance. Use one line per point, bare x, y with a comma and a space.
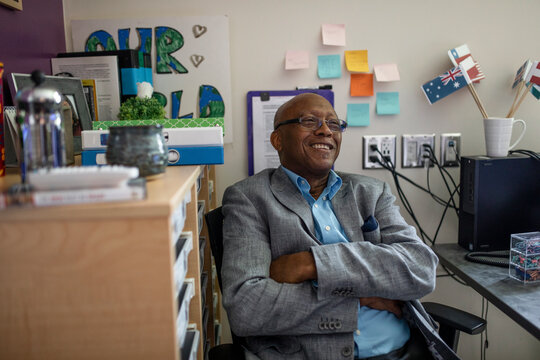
187, 146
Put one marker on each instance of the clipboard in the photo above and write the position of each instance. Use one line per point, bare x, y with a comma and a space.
261, 107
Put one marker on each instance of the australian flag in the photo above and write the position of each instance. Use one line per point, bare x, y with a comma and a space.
445, 84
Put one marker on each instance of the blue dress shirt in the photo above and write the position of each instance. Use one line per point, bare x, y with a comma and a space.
379, 332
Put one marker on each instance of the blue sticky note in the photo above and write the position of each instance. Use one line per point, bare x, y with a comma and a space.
387, 103
358, 114
329, 66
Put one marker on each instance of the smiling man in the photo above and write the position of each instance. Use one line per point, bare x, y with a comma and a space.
317, 264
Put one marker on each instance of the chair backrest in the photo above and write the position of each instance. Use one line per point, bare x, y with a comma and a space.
214, 221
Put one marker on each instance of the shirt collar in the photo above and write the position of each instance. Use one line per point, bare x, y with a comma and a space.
332, 186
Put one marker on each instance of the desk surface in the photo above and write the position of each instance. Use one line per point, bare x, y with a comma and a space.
519, 301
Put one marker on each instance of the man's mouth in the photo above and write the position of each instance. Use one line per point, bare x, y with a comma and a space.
322, 146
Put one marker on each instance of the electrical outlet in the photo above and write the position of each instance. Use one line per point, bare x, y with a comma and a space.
450, 149
414, 154
386, 144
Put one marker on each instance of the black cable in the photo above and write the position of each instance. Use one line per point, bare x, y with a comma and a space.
436, 162
391, 167
493, 258
438, 199
529, 153
452, 275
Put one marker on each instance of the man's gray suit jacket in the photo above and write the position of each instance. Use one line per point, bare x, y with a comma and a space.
266, 217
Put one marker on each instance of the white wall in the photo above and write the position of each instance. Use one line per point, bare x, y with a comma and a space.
415, 34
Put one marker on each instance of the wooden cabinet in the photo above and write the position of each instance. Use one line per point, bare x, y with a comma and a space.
96, 281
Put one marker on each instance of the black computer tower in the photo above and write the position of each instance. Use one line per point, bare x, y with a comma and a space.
499, 197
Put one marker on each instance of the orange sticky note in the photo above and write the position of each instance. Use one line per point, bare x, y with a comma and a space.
357, 60
361, 84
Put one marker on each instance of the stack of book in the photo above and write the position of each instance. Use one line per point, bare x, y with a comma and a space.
76, 185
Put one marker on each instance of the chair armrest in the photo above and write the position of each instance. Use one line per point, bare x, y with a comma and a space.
455, 318
226, 352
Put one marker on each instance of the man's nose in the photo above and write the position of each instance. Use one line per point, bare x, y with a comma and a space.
324, 129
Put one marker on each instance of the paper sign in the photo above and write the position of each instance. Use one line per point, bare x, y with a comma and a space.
358, 114
333, 34
296, 60
387, 103
357, 61
386, 72
361, 84
329, 66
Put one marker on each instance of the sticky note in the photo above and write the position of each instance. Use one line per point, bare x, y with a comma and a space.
358, 114
386, 72
333, 34
329, 66
357, 60
361, 84
296, 60
387, 103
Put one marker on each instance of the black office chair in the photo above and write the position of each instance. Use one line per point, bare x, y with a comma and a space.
451, 320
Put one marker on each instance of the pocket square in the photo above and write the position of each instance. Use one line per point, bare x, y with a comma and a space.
370, 224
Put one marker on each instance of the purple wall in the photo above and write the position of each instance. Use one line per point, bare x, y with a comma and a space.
30, 38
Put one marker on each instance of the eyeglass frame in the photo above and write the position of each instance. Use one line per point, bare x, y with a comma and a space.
342, 123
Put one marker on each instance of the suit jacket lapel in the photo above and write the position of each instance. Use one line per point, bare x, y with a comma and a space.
289, 195
346, 210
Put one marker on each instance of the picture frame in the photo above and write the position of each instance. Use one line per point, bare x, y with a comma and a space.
72, 89
14, 4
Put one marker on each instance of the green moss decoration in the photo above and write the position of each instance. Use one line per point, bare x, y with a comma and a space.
136, 108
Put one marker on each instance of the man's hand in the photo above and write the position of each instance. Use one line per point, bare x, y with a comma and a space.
377, 303
294, 268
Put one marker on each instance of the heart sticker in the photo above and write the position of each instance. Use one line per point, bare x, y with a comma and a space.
198, 30
196, 60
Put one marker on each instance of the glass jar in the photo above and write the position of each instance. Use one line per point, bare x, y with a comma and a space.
140, 146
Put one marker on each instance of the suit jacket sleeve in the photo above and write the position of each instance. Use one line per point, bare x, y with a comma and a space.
257, 305
391, 261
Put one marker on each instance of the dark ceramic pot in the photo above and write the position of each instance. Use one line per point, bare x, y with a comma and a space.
140, 146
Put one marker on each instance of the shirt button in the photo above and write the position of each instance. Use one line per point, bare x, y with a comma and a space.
324, 198
327, 227
357, 332
316, 205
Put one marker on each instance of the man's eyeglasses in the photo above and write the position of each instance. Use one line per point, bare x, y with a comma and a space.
313, 123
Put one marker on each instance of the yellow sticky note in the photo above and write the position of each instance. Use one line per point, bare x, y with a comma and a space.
361, 84
357, 60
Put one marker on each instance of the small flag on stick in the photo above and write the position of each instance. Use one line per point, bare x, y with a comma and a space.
521, 73
444, 85
530, 75
459, 54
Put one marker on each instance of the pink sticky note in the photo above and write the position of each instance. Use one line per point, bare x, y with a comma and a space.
296, 60
386, 72
333, 34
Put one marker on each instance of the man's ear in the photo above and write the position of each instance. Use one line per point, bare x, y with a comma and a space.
275, 139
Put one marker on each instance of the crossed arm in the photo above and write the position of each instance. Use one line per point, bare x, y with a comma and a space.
298, 267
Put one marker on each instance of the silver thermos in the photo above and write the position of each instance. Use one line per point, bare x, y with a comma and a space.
40, 119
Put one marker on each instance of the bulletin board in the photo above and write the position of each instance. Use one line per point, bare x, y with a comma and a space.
261, 108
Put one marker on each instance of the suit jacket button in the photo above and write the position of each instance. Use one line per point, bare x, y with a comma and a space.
335, 292
346, 351
338, 324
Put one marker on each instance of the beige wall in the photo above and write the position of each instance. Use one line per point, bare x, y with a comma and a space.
415, 34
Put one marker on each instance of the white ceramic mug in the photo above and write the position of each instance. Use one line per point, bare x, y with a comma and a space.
498, 132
